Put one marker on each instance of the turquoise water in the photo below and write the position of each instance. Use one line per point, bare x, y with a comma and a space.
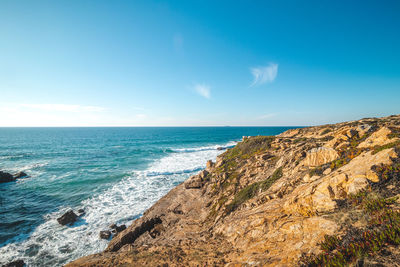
115, 174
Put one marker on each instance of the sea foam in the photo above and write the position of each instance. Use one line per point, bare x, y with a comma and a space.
51, 244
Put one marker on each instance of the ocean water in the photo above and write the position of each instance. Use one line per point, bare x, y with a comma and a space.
114, 174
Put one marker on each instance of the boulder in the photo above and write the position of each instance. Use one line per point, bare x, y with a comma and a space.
129, 237
194, 182
117, 228
105, 234
120, 228
5, 177
203, 174
68, 218
20, 175
17, 263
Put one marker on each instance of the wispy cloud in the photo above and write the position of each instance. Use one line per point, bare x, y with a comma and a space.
266, 116
264, 74
203, 90
63, 107
141, 116
178, 42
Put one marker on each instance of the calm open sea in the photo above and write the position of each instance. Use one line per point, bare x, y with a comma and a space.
115, 174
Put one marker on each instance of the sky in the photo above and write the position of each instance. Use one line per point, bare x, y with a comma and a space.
197, 63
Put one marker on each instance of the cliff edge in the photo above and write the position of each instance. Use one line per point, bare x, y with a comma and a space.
312, 196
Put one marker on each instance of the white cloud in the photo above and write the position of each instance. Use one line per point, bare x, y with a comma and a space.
264, 74
203, 90
63, 107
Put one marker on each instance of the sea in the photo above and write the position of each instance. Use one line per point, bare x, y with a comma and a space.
114, 174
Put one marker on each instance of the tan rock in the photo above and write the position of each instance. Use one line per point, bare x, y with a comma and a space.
378, 138
318, 196
210, 165
327, 171
270, 226
319, 156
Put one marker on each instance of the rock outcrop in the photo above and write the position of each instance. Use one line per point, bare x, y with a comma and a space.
67, 218
17, 263
294, 199
6, 177
105, 234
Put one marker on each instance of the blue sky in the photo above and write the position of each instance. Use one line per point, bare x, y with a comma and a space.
188, 63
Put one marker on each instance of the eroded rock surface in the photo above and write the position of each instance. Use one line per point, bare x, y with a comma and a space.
265, 202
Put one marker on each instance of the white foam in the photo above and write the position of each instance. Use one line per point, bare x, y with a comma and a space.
205, 148
128, 199
29, 167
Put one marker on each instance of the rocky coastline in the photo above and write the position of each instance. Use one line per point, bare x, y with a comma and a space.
317, 196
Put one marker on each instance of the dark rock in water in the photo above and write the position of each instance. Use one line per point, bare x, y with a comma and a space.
20, 175
68, 218
5, 177
17, 263
220, 148
113, 226
120, 228
81, 212
105, 234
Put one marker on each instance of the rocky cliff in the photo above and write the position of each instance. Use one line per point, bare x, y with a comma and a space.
312, 196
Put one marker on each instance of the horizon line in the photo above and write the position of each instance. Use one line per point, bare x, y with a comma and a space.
172, 126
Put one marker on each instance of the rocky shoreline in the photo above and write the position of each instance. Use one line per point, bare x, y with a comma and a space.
313, 196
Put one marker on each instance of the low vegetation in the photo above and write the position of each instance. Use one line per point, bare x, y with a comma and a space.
387, 146
244, 150
327, 130
251, 190
349, 152
382, 229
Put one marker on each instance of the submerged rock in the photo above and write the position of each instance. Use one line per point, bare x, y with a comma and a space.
20, 175
6, 177
81, 212
68, 218
17, 263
